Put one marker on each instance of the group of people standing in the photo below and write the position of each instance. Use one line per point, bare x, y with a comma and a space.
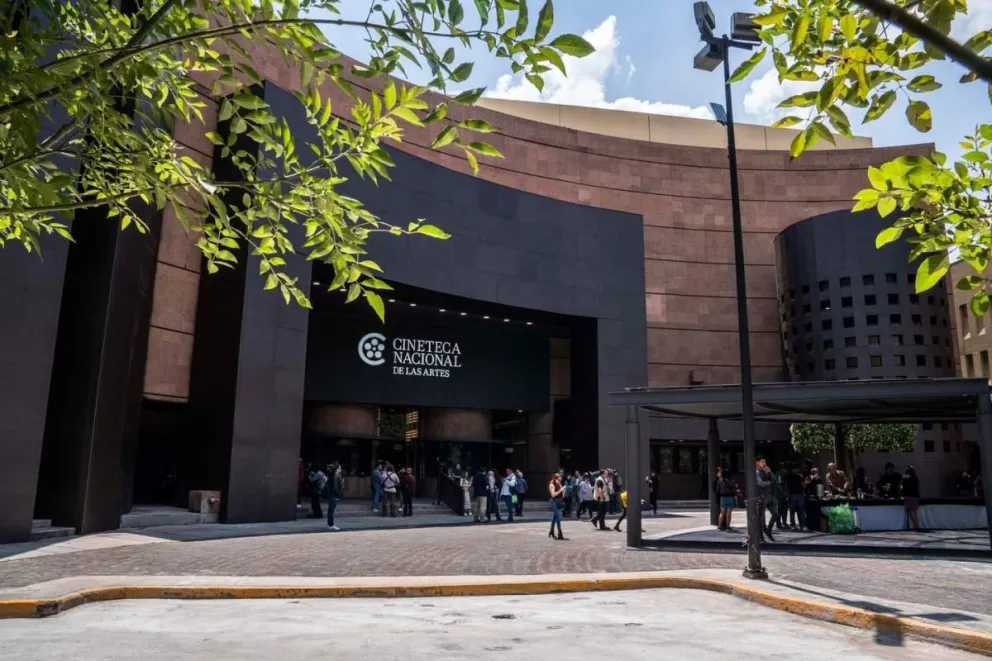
325, 482
390, 486
486, 490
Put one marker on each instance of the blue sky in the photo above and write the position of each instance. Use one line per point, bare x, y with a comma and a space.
644, 62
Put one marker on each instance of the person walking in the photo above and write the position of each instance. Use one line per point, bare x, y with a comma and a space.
557, 491
492, 502
602, 498
480, 495
521, 491
377, 487
409, 484
611, 491
653, 484
623, 511
334, 485
390, 485
466, 486
508, 491
726, 491
766, 498
587, 500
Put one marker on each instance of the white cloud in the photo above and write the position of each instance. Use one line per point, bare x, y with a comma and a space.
766, 92
979, 17
586, 81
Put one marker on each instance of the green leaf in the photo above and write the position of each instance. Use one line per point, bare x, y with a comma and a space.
445, 137
375, 301
354, 291
774, 17
407, 115
979, 304
886, 205
849, 26
479, 125
522, 18
800, 100
969, 282
925, 83
484, 149
919, 115
799, 32
830, 92
980, 41
271, 282
544, 21
825, 27
798, 144
462, 72
887, 236
748, 66
786, 122
455, 12
880, 105
469, 97
432, 231
482, 6
389, 95
572, 44
877, 179
536, 81
931, 271
214, 137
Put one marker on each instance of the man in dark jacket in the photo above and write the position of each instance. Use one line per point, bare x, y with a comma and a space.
480, 495
334, 487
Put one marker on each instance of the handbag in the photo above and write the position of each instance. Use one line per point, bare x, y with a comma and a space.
513, 499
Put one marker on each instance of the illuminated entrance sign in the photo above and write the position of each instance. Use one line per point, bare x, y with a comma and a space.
411, 356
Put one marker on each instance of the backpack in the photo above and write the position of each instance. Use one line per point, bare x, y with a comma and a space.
521, 485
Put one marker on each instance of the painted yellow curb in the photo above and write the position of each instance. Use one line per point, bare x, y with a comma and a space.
971, 641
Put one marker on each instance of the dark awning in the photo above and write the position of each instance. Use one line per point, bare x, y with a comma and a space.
914, 401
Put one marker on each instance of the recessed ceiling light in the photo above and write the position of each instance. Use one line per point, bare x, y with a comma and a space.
392, 300
463, 313
530, 323
413, 305
505, 320
485, 316
316, 283
520, 410
441, 310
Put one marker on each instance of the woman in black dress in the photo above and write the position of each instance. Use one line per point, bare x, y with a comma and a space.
911, 496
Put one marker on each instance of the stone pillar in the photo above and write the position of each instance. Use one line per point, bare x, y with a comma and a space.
712, 459
632, 441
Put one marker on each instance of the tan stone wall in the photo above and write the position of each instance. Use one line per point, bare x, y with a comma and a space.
972, 335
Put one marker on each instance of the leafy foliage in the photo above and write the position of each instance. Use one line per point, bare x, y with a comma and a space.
90, 94
863, 64
810, 438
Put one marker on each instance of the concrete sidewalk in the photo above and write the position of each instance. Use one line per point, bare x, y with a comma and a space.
959, 629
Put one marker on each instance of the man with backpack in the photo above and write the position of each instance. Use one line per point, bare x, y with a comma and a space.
390, 485
602, 498
521, 492
316, 481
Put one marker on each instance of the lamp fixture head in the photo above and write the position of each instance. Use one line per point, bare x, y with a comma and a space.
705, 19
743, 27
709, 58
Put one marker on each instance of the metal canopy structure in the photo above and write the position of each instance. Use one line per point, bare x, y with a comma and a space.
959, 400
877, 401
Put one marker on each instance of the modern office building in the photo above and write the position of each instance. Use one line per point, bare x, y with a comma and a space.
849, 311
595, 256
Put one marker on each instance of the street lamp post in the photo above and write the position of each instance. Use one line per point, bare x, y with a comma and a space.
717, 49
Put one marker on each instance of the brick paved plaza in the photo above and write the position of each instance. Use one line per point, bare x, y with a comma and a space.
522, 548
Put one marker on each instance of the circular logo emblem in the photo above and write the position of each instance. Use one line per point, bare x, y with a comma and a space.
371, 349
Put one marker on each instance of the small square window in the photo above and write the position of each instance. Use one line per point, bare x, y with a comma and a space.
936, 341
807, 308
845, 282
867, 279
824, 285
805, 289
917, 320
869, 299
943, 426
943, 303
808, 327
848, 322
792, 293
947, 446
792, 312
828, 345
847, 302
809, 347
875, 361
891, 278
928, 446
931, 300
895, 318
897, 339
933, 320
914, 298
918, 339
795, 331
936, 361
809, 367
874, 340
827, 324
927, 426
872, 320
910, 278
829, 364
825, 304
852, 361
850, 341
899, 360
893, 299
944, 322
921, 361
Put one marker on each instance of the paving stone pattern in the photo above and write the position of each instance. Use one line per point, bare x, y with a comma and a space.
523, 548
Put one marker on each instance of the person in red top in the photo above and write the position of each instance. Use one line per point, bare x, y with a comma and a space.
409, 484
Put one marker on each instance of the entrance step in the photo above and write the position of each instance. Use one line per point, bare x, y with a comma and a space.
684, 504
146, 517
43, 529
347, 509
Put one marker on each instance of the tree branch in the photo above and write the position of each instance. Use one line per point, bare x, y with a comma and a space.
967, 58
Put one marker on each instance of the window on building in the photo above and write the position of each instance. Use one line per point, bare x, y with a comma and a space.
827, 324
795, 331
847, 302
685, 460
808, 327
809, 347
807, 308
947, 446
936, 361
918, 339
893, 299
872, 320
874, 340
845, 282
895, 318
869, 299
829, 364
891, 278
850, 341
792, 294
664, 460
867, 280
897, 339
931, 300
852, 361
914, 298
810, 367
921, 361
824, 285
928, 446
927, 426
943, 426
792, 312
899, 360
984, 358
969, 365
805, 289
933, 320
825, 304
828, 345
875, 361
848, 322
917, 320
